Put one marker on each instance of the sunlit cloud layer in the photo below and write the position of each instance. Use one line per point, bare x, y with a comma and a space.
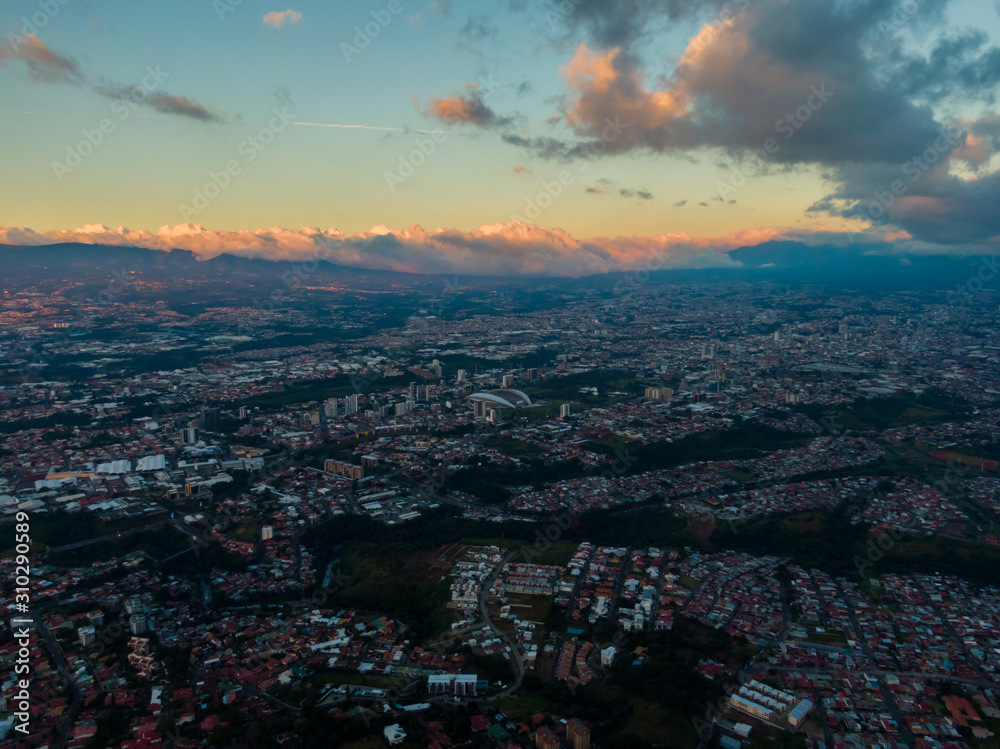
511, 248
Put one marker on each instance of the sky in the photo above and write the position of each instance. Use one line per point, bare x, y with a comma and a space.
556, 137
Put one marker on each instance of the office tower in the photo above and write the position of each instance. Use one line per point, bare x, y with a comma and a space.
330, 408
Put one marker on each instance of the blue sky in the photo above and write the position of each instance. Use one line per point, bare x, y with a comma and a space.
534, 84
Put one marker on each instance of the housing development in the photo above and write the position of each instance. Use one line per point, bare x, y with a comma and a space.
476, 522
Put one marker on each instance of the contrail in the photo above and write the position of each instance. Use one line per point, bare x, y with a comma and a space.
372, 127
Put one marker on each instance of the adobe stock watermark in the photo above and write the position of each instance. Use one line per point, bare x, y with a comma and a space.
249, 148
298, 274
561, 522
901, 16
47, 10
123, 106
225, 7
363, 35
878, 208
787, 126
882, 544
408, 164
554, 189
985, 272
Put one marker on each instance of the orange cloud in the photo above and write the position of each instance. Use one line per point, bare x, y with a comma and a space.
276, 19
43, 64
467, 109
607, 88
511, 248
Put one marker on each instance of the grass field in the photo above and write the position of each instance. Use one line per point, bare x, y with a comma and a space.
517, 449
559, 553
336, 678
244, 532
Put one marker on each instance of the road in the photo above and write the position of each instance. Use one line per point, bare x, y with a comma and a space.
108, 537
514, 649
60, 663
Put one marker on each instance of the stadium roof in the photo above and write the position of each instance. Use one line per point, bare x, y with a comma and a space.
504, 397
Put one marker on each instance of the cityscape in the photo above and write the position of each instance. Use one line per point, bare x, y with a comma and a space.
680, 430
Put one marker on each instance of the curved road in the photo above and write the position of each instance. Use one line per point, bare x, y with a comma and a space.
513, 647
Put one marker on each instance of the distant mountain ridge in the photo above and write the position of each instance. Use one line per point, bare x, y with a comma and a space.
854, 266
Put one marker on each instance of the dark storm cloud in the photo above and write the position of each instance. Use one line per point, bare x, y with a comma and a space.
835, 84
621, 23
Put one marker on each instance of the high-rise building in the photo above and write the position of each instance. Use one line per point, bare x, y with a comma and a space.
401, 408
267, 533
137, 624
508, 380
565, 411
190, 435
577, 734
461, 376
546, 739
87, 635
436, 368
351, 404
330, 408
531, 374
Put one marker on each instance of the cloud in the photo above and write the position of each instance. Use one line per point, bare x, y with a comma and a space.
610, 185
160, 101
625, 23
521, 170
594, 190
47, 66
43, 64
680, 204
478, 29
182, 106
641, 194
278, 18
512, 248
832, 85
465, 109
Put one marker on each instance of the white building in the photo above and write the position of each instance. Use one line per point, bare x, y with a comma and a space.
394, 734
608, 656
